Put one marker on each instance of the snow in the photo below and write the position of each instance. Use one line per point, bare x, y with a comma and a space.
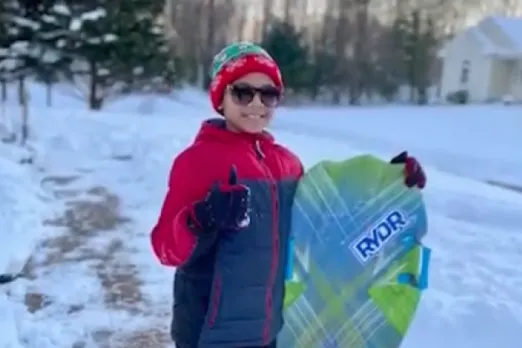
474, 299
488, 46
94, 15
25, 22
512, 27
76, 24
61, 9
476, 142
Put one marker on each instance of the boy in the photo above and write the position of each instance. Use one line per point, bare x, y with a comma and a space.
225, 221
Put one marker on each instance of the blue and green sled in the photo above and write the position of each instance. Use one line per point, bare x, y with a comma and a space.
357, 265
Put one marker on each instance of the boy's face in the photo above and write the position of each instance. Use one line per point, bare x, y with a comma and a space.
249, 103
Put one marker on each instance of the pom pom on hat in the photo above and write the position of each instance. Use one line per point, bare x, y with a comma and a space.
237, 60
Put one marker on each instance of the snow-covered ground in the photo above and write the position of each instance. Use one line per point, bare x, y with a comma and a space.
99, 178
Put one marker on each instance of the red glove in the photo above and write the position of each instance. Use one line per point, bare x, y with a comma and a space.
414, 175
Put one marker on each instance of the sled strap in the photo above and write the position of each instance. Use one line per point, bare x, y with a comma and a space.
419, 281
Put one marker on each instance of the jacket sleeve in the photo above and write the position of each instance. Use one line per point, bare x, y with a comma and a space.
173, 243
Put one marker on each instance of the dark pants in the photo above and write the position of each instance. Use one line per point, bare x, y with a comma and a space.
271, 345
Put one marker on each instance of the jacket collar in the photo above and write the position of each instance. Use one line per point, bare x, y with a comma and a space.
215, 130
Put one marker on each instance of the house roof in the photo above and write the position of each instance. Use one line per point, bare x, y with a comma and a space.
488, 46
511, 27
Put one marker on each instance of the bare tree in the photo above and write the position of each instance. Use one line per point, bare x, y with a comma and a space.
353, 38
361, 51
207, 51
237, 30
341, 47
267, 17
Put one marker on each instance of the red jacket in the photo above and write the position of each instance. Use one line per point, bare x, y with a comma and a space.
239, 267
196, 169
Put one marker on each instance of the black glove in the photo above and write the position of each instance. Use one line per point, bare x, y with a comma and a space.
226, 207
414, 175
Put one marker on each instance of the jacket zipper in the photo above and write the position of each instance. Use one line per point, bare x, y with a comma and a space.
275, 241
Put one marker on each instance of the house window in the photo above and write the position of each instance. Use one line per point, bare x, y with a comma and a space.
464, 72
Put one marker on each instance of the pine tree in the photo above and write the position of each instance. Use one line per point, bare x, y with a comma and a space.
426, 51
117, 45
87, 44
286, 46
141, 55
4, 49
402, 55
111, 47
415, 42
52, 37
20, 55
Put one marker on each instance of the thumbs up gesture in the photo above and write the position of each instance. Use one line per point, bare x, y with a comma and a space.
226, 206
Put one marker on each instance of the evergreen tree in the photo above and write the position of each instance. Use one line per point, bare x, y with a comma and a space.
426, 52
26, 39
322, 71
401, 52
18, 40
413, 56
54, 63
4, 49
415, 42
141, 54
118, 48
89, 44
285, 45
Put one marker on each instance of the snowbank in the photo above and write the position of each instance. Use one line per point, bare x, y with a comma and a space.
9, 337
21, 210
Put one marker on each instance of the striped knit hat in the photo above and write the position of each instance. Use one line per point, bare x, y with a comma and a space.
236, 60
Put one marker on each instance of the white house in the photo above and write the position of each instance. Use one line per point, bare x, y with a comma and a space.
485, 60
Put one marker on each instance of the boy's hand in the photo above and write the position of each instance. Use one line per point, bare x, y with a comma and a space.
226, 206
414, 175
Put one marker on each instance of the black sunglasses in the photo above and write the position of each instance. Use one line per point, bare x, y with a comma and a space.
243, 94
